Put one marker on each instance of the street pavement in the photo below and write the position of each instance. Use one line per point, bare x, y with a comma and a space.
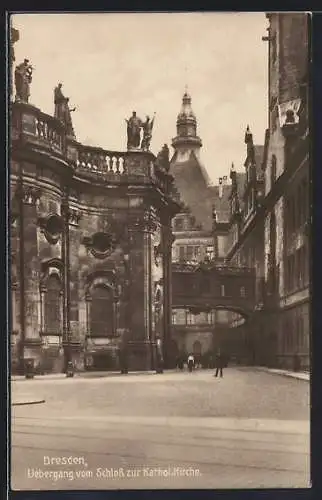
249, 429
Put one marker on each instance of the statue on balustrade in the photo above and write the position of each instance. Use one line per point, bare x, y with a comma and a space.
147, 127
134, 125
163, 158
23, 79
63, 111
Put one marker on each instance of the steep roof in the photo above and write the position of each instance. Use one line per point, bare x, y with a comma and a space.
221, 204
241, 179
192, 184
259, 154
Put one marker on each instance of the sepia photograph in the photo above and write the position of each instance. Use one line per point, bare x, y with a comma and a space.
159, 250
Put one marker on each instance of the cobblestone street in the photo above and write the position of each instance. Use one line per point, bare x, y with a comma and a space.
249, 429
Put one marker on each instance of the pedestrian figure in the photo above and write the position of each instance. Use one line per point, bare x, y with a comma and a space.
191, 362
180, 362
219, 364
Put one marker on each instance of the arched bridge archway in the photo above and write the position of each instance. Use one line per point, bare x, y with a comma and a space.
209, 287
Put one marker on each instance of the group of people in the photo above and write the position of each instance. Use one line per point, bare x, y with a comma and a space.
193, 362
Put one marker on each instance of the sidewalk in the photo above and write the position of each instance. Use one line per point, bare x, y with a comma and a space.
59, 376
19, 396
285, 373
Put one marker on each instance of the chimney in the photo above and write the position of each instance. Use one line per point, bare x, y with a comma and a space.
220, 190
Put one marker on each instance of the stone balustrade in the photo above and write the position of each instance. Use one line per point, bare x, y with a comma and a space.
31, 125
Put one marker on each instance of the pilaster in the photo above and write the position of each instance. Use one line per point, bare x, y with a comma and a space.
29, 273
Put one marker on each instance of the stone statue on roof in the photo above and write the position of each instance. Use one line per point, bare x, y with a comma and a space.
23, 79
134, 125
147, 127
163, 158
63, 110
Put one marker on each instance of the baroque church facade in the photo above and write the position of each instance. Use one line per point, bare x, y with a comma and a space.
90, 246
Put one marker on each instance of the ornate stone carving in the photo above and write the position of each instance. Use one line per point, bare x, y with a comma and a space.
30, 195
74, 216
100, 244
52, 227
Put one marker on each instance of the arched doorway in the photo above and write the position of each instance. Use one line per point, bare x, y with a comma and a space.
52, 306
197, 348
197, 351
101, 350
102, 312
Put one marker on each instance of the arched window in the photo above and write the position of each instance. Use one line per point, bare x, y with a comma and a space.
52, 305
102, 311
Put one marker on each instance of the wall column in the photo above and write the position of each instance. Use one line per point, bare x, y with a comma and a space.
30, 342
168, 239
139, 292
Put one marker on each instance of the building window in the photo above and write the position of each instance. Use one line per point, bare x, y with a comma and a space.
189, 253
273, 48
299, 206
191, 320
242, 291
305, 200
306, 270
174, 317
210, 317
182, 253
222, 290
273, 170
102, 311
210, 252
178, 224
196, 251
52, 306
196, 348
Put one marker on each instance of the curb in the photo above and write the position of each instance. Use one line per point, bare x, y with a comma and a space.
85, 375
33, 402
284, 373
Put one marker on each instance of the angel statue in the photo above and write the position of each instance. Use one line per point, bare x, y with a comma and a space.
147, 133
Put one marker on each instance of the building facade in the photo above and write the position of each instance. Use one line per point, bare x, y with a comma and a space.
287, 187
90, 248
200, 232
270, 216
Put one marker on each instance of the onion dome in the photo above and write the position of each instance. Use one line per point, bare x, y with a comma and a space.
186, 114
186, 126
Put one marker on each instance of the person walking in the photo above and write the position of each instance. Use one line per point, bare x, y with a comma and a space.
219, 364
191, 362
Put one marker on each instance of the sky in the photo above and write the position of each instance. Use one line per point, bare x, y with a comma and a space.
113, 64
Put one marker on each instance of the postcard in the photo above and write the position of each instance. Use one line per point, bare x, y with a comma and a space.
159, 250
